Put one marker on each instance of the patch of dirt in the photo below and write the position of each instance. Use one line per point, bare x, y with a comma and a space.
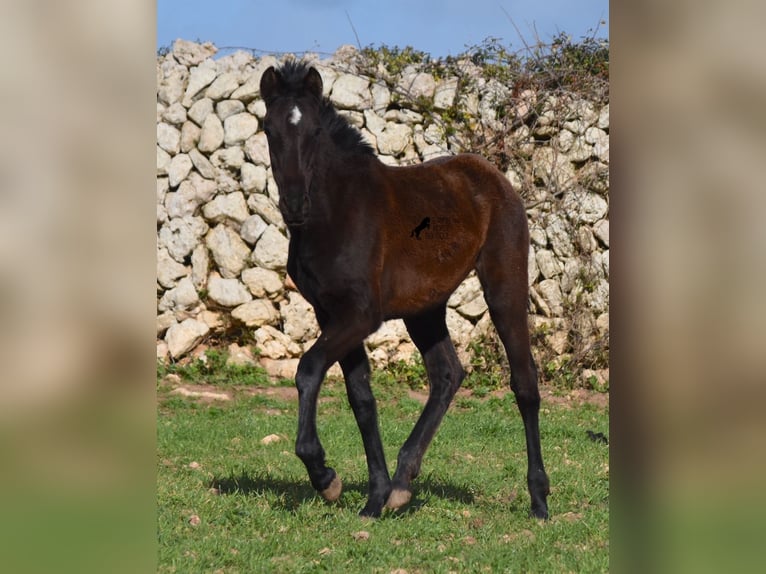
574, 397
549, 395
209, 394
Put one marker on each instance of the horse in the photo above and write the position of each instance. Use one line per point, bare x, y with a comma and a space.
352, 256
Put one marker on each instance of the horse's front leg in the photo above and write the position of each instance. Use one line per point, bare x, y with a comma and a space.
334, 344
356, 370
311, 370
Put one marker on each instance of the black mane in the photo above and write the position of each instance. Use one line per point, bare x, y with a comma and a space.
345, 136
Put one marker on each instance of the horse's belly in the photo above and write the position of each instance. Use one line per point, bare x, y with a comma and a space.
423, 282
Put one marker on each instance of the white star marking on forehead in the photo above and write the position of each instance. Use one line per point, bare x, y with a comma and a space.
295, 116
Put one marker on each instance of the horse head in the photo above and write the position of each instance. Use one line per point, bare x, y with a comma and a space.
293, 96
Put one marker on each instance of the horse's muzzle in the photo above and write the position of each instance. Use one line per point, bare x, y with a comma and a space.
295, 210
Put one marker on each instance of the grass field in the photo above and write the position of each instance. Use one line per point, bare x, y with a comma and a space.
228, 502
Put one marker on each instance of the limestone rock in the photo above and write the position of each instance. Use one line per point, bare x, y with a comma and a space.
179, 169
223, 86
553, 169
603, 118
227, 292
230, 158
212, 134
394, 139
257, 108
163, 161
274, 344
202, 164
168, 269
271, 250
585, 207
298, 320
474, 308
211, 319
200, 260
226, 181
547, 263
171, 86
262, 282
183, 337
181, 297
253, 178
229, 251
280, 368
238, 128
181, 235
571, 276
227, 108
199, 77
444, 93
165, 321
598, 299
241, 356
168, 138
580, 150
600, 140
550, 290
533, 271
200, 110
204, 188
252, 229
560, 236
351, 92
230, 207
417, 84
388, 335
191, 53
265, 207
468, 290
190, 133
381, 97
257, 149
175, 114
256, 313
539, 302
601, 231
460, 329
391, 138
585, 240
183, 202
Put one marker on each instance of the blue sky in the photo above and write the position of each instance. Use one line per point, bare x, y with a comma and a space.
439, 27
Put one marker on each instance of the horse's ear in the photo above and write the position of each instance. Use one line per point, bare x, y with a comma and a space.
271, 83
313, 83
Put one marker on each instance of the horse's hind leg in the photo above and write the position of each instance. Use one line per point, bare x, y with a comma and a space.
445, 373
502, 270
356, 370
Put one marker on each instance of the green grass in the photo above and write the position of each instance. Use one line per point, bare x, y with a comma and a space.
258, 513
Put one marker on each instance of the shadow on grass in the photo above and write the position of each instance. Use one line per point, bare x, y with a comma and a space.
290, 493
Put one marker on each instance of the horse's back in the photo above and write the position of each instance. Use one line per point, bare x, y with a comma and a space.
437, 219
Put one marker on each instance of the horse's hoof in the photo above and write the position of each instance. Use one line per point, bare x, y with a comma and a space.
540, 513
398, 498
332, 492
369, 513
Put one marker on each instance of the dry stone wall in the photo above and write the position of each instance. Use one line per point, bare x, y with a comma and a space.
222, 244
